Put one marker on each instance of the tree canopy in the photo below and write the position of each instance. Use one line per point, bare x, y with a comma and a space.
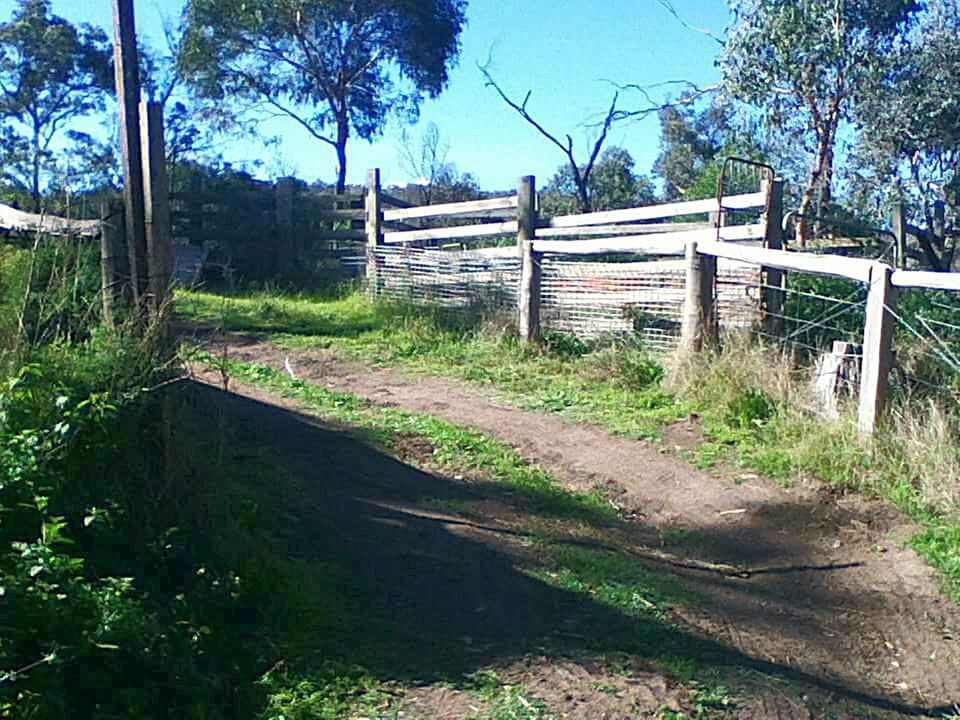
51, 72
337, 67
613, 184
802, 62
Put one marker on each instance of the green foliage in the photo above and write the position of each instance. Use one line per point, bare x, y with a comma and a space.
50, 73
909, 145
802, 63
332, 692
340, 65
613, 184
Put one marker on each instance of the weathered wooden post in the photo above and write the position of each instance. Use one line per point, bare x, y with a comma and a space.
898, 223
774, 281
112, 261
698, 327
530, 268
127, 79
374, 228
287, 256
159, 234
877, 347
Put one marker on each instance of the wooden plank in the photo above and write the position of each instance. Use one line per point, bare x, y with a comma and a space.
358, 235
632, 229
656, 212
832, 265
453, 209
927, 280
659, 244
877, 347
395, 201
339, 214
24, 222
452, 233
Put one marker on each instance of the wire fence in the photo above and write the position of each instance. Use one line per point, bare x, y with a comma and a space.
928, 346
457, 281
640, 300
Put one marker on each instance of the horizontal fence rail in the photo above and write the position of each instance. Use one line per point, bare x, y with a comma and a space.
24, 222
658, 212
474, 208
668, 243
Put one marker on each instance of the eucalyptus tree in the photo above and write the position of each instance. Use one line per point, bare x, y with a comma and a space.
51, 72
613, 184
909, 120
802, 63
336, 67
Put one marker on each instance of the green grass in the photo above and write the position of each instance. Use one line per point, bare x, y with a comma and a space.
750, 401
616, 387
455, 449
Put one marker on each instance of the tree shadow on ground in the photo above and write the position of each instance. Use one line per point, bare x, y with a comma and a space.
407, 593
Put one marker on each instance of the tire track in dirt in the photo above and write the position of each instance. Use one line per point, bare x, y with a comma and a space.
871, 618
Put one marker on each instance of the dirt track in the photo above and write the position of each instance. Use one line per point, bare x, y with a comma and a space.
829, 589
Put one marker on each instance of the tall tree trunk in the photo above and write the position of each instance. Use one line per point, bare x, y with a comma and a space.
818, 188
35, 171
343, 134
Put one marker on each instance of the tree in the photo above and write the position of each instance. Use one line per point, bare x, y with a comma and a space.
336, 67
50, 73
437, 180
579, 171
802, 62
613, 185
909, 145
689, 142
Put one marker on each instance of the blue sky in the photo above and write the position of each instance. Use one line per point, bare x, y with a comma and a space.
566, 51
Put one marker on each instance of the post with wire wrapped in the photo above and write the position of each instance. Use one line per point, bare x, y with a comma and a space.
699, 327
530, 269
877, 347
774, 281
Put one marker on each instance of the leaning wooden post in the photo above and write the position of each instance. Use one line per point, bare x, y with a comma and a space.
698, 328
773, 280
530, 260
877, 347
156, 195
898, 223
374, 227
127, 79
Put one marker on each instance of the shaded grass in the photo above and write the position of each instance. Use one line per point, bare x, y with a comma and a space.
754, 402
455, 449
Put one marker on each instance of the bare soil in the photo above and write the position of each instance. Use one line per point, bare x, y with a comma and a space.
802, 584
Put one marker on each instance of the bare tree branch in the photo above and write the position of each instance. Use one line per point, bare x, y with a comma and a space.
581, 175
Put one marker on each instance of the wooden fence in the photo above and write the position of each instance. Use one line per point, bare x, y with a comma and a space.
540, 268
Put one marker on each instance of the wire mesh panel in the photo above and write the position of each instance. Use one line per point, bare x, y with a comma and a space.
602, 299
455, 280
928, 346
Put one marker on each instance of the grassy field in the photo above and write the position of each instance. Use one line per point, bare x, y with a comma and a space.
751, 402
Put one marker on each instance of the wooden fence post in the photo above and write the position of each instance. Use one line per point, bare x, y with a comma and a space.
698, 326
774, 281
127, 79
898, 222
156, 203
374, 227
287, 256
530, 269
112, 261
877, 347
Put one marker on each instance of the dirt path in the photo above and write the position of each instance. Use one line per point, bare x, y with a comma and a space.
830, 592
